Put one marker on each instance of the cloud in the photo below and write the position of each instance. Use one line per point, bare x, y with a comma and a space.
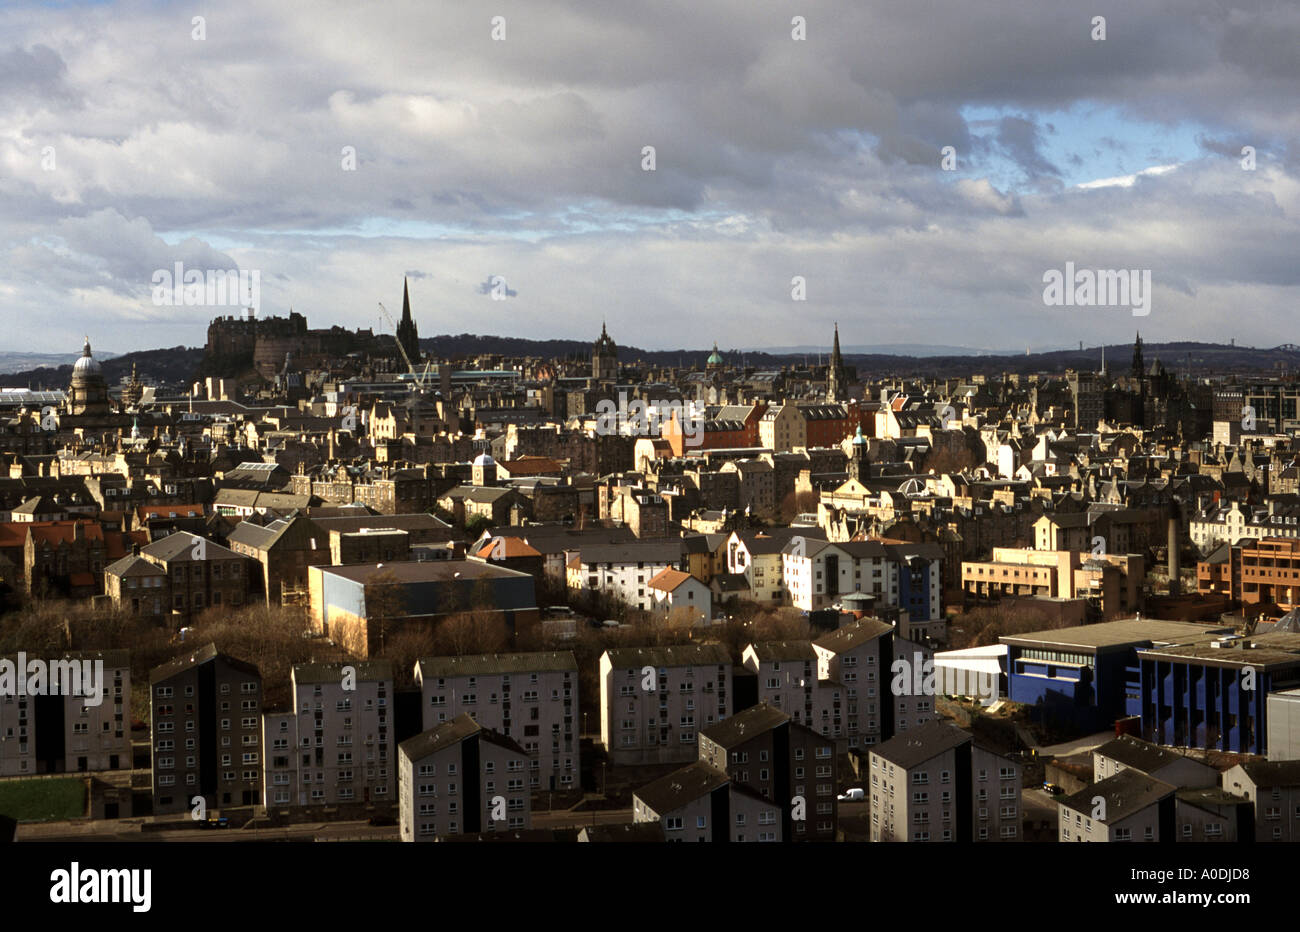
496, 286
775, 158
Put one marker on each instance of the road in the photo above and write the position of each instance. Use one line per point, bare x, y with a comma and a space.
1087, 743
580, 819
128, 830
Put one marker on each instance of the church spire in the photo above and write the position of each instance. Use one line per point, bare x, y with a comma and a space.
407, 333
835, 372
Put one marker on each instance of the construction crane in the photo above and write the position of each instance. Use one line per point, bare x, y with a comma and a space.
421, 378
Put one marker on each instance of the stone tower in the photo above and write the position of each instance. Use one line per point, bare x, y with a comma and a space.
604, 358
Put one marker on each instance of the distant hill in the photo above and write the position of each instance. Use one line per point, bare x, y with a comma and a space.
1203, 357
21, 362
180, 364
177, 364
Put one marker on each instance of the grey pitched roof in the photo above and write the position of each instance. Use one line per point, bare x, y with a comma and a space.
1273, 772
1125, 793
251, 535
743, 726
639, 551
366, 670
681, 656
917, 745
208, 652
453, 732
490, 664
179, 548
854, 634
731, 582
784, 650
1139, 754
133, 565
681, 787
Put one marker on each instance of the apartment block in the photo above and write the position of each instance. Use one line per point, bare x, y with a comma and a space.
1273, 788
1212, 815
859, 656
934, 783
787, 680
63, 733
1129, 753
1129, 806
530, 697
280, 780
654, 700
700, 803
340, 738
206, 731
460, 778
765, 751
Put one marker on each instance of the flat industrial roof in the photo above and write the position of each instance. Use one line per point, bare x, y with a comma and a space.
1116, 634
423, 572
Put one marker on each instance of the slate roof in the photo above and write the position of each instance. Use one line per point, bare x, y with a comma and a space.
682, 787
918, 745
1125, 793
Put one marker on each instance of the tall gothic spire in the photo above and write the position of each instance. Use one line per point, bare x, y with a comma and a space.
407, 333
835, 386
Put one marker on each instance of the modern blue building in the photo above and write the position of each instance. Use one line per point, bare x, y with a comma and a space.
1213, 692
1088, 676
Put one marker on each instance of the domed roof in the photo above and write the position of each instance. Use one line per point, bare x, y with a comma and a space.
87, 364
858, 439
715, 358
484, 459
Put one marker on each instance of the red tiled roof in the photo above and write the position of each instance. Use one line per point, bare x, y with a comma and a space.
513, 546
668, 579
13, 533
57, 532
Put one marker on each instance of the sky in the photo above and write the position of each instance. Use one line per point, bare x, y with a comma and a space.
335, 148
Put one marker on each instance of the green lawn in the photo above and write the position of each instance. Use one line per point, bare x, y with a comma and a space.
43, 800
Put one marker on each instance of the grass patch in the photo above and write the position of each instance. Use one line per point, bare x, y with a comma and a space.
43, 800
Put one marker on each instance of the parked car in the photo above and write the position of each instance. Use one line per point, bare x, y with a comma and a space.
1052, 789
852, 796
